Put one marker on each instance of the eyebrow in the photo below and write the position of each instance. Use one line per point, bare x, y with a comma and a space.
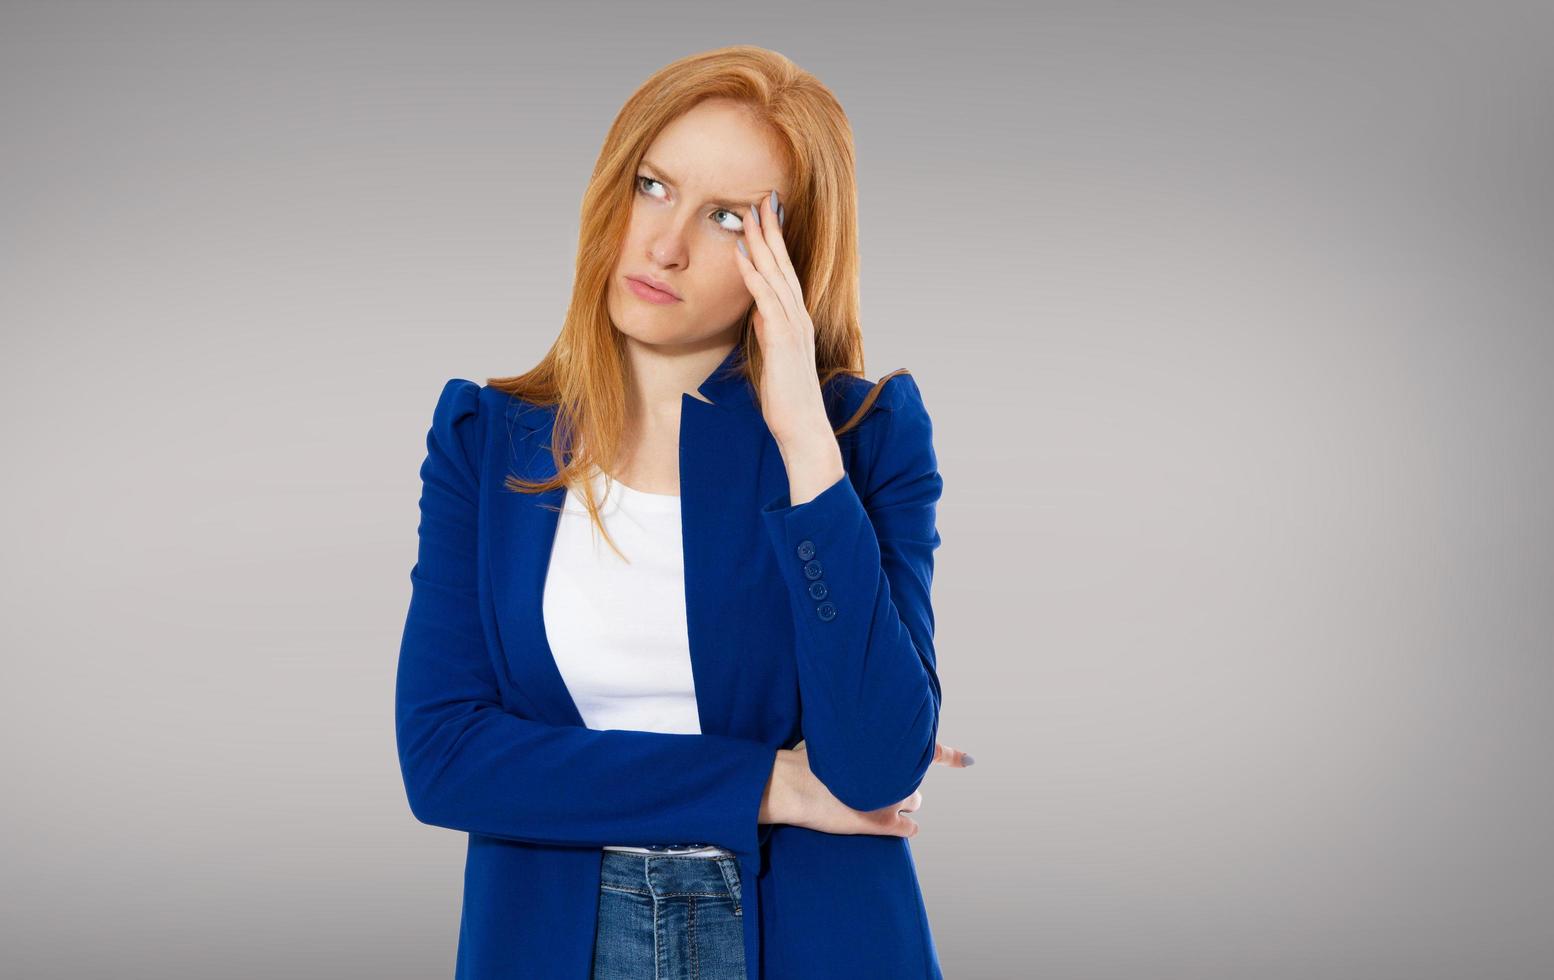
726, 200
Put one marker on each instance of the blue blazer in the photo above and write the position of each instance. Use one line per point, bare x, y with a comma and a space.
806, 622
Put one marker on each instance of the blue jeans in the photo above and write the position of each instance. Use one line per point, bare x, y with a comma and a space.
668, 917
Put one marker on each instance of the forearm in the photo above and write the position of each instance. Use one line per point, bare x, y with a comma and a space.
779, 804
472, 766
813, 463
858, 563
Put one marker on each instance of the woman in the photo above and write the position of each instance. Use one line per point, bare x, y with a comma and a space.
691, 755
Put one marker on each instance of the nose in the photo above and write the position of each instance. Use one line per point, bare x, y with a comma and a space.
667, 243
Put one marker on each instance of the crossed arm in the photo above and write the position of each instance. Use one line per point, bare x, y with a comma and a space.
866, 670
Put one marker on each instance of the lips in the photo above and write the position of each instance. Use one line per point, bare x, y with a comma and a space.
657, 284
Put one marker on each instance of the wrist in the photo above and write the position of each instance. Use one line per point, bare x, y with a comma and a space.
779, 803
814, 442
812, 467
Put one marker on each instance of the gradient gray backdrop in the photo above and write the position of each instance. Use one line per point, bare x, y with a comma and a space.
1233, 319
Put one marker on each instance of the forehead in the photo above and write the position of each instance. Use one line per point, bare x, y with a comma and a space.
719, 148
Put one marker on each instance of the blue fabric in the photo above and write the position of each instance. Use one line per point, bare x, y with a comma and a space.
669, 918
805, 622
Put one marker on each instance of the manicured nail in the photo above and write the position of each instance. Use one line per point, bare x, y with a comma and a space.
969, 759
779, 216
741, 243
774, 200
757, 212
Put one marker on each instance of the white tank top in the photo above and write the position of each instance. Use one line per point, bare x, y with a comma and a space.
618, 629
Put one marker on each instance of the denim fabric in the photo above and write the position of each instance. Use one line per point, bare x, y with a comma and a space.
669, 917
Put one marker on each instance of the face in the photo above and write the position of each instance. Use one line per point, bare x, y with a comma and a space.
690, 204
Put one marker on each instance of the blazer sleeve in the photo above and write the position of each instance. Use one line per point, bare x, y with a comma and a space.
469, 764
858, 571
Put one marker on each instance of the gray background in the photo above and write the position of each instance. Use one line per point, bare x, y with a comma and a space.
1233, 319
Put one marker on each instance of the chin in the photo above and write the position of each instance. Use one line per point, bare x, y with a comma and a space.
654, 331
665, 326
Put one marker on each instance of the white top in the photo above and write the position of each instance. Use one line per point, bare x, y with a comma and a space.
618, 628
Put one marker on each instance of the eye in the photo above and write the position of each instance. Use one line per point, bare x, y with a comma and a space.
739, 224
737, 219
641, 178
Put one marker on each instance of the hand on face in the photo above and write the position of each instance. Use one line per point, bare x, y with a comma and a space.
791, 400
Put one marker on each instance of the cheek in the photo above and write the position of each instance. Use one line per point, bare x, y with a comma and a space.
724, 284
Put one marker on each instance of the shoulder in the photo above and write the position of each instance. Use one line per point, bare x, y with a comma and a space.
905, 440
894, 440
464, 409
458, 401
896, 392
452, 440
901, 394
457, 415
460, 422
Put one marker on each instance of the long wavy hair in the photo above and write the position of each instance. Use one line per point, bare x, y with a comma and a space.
584, 373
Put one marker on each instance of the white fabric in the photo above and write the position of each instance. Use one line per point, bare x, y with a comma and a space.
617, 628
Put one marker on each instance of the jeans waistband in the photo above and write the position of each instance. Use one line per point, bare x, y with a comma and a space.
668, 875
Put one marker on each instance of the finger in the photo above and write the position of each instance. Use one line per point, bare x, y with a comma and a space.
772, 233
944, 755
766, 300
765, 261
891, 823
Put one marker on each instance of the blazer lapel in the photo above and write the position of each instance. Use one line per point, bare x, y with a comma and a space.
523, 527
729, 468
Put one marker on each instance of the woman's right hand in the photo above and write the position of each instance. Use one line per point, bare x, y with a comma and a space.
798, 797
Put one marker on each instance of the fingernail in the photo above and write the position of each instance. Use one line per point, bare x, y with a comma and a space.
779, 215
969, 759
741, 243
774, 200
757, 213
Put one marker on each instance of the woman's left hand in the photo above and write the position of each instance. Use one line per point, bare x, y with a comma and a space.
791, 401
